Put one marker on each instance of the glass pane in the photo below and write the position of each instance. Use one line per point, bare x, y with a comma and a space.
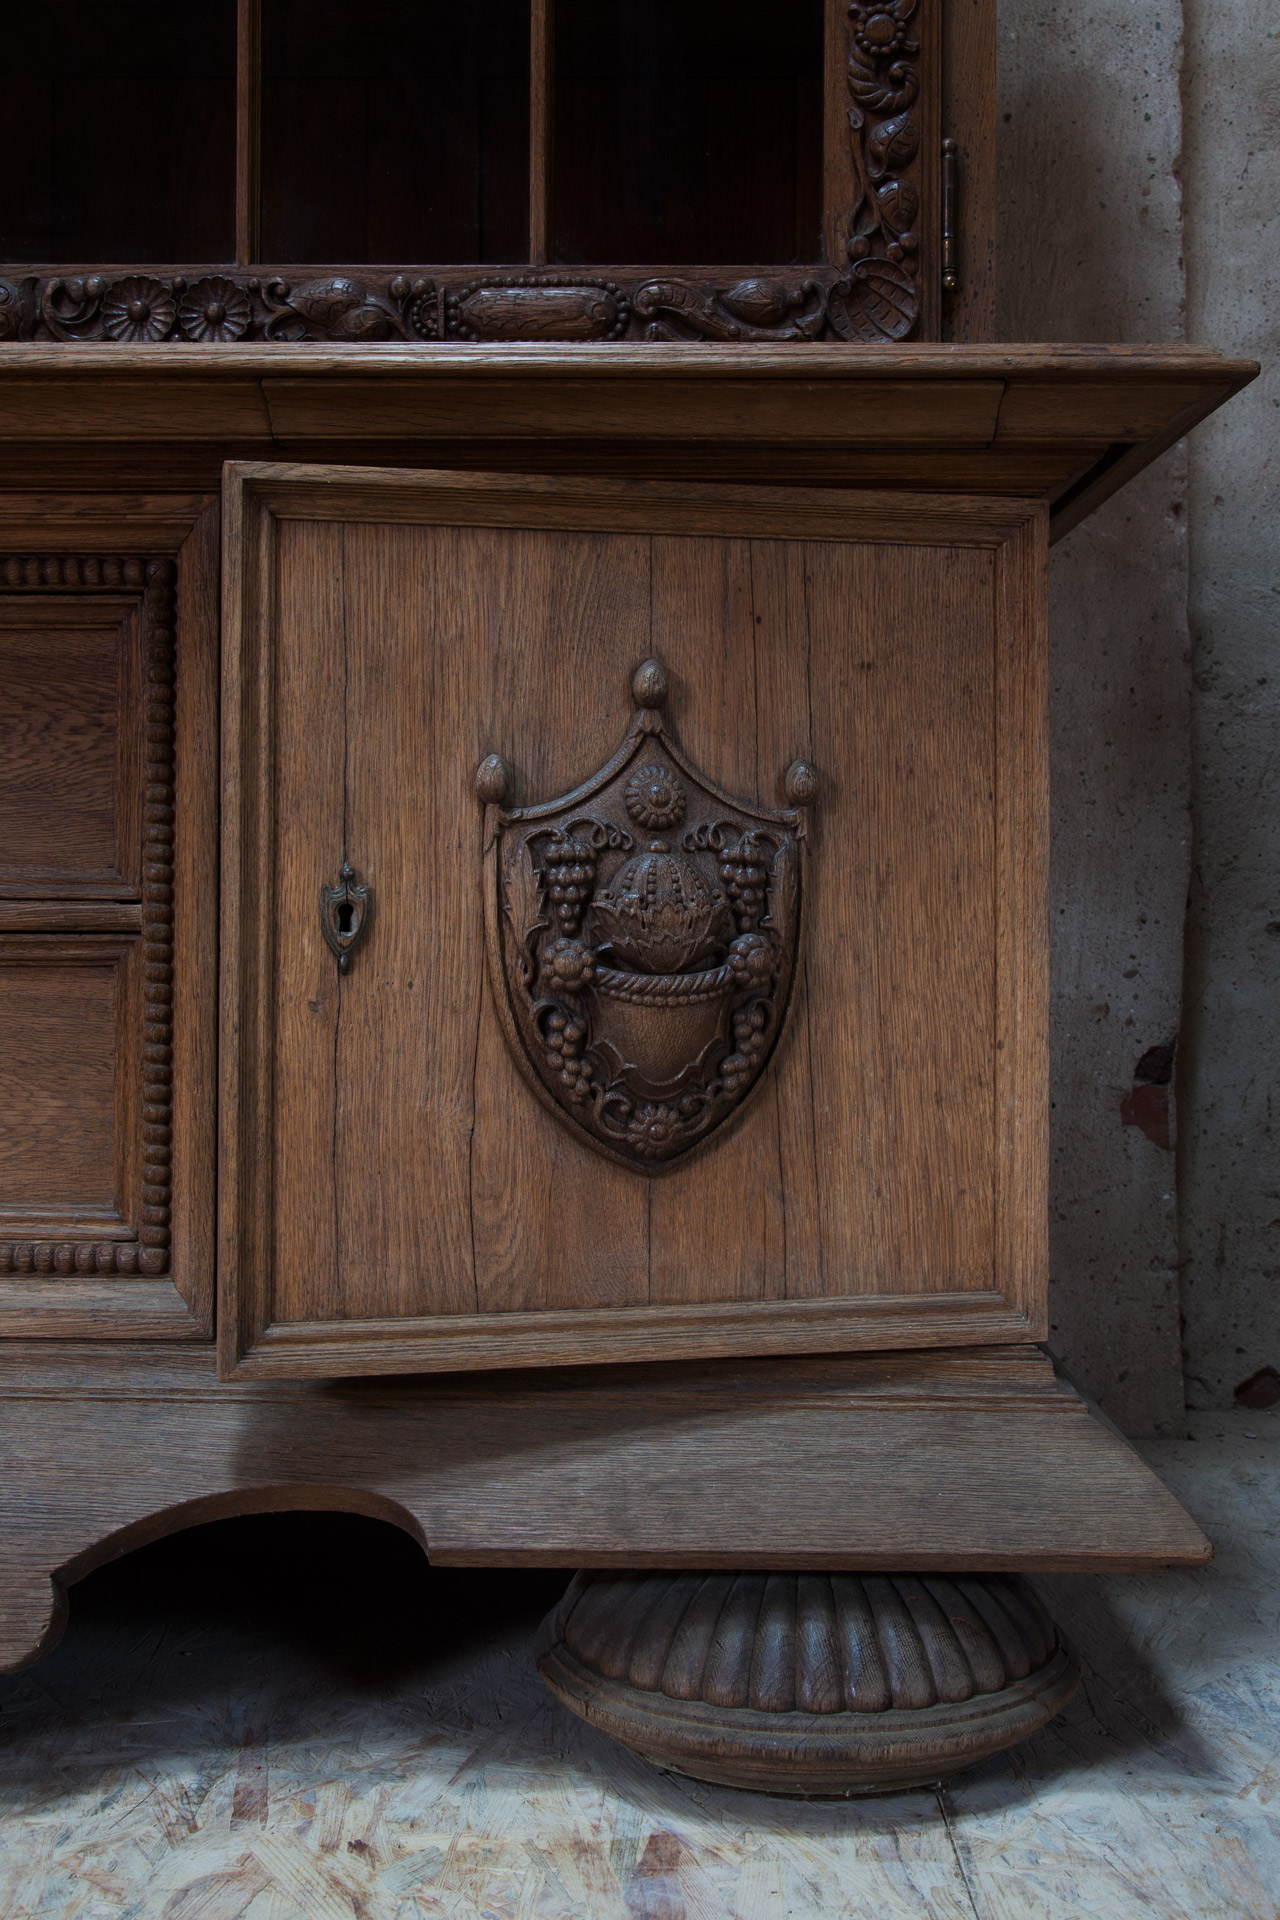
395, 130
687, 130
119, 131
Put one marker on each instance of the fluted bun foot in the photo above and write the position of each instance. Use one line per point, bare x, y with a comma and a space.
808, 1683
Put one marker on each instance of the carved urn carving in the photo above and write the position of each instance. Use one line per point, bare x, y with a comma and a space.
643, 936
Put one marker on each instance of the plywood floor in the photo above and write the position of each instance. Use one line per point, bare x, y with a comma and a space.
279, 1719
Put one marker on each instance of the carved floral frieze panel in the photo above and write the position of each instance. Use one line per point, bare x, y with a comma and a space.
643, 937
874, 299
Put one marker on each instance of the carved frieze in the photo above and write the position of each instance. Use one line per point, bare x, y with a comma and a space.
217, 307
874, 298
643, 934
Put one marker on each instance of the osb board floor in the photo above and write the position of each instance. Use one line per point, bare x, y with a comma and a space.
273, 1719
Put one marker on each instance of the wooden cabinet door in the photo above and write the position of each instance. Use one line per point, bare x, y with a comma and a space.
396, 1193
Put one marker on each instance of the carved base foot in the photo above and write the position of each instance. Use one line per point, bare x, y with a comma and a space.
811, 1683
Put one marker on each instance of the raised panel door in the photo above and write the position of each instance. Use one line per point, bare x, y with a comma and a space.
396, 1192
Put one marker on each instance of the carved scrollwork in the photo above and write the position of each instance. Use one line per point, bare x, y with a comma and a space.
643, 983
19, 308
879, 299
875, 298
756, 309
341, 308
217, 307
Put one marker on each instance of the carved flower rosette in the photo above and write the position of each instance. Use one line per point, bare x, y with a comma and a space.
643, 935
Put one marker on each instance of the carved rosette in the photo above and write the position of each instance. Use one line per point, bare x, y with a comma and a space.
643, 934
808, 1683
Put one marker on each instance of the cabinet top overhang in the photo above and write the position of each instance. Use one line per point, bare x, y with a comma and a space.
1065, 423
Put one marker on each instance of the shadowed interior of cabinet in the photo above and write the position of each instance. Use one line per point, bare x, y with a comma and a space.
413, 1171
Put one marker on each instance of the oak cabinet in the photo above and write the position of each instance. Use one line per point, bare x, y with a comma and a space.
523, 952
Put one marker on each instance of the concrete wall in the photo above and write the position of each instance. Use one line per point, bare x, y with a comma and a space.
1140, 200
1091, 249
1229, 1158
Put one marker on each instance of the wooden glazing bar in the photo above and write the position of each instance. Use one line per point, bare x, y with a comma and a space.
837, 160
248, 129
541, 81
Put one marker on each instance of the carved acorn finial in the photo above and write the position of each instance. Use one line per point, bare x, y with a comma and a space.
800, 783
649, 684
493, 780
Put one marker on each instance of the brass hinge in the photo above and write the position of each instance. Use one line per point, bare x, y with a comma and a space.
950, 196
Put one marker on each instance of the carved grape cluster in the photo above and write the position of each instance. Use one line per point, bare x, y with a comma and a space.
564, 1035
744, 872
752, 960
570, 871
750, 1036
570, 965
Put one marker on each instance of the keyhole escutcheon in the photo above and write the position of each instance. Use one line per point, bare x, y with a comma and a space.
344, 915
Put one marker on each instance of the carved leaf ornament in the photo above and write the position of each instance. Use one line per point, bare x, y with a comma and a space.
643, 935
879, 298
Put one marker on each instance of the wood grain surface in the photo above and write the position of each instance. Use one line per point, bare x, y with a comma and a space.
387, 632
70, 1086
70, 794
964, 1460
969, 118
890, 416
296, 1715
108, 871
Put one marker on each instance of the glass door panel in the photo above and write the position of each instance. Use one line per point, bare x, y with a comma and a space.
394, 130
119, 131
687, 130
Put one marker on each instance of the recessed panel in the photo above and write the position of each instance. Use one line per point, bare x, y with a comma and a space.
67, 1095
69, 772
414, 1169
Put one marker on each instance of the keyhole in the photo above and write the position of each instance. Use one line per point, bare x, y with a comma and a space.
346, 916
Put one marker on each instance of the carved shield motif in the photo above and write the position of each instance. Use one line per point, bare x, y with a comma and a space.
643, 934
